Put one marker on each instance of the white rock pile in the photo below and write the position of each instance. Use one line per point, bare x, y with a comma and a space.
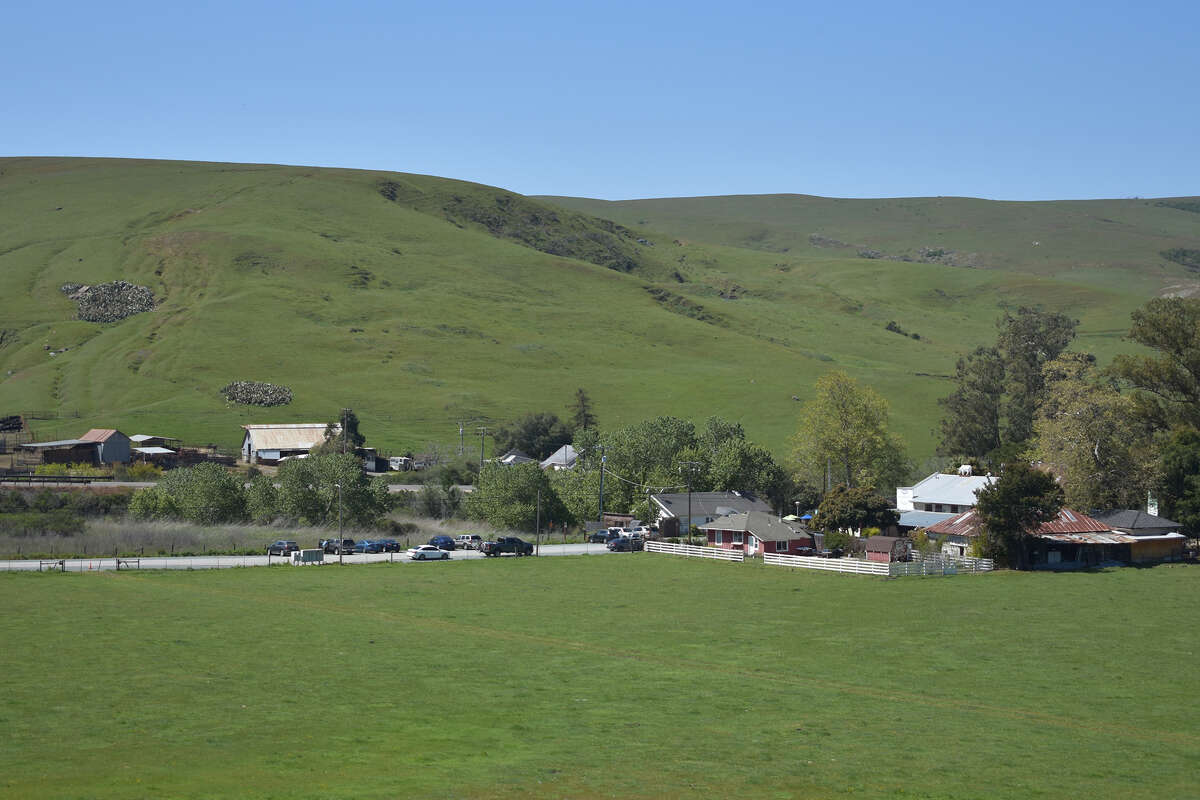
109, 302
254, 393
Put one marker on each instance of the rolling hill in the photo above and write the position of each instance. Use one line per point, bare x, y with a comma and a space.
422, 301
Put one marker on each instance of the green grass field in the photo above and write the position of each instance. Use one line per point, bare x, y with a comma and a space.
420, 301
638, 676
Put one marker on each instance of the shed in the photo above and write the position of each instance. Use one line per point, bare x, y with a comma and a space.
888, 549
66, 451
267, 444
114, 446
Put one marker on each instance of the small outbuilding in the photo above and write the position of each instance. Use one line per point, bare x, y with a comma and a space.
113, 446
268, 444
888, 548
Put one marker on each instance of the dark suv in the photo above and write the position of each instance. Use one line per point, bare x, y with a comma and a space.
282, 548
623, 544
332, 546
442, 542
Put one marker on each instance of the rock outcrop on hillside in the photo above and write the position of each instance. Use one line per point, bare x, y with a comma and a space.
254, 393
109, 302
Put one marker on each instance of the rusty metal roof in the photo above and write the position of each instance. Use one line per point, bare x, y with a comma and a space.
99, 434
964, 524
1089, 537
1067, 521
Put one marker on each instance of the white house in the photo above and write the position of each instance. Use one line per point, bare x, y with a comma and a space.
562, 458
942, 493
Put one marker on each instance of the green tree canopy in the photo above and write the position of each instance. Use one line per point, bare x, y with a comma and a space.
845, 426
207, 494
971, 425
1092, 437
1026, 343
507, 497
1179, 479
854, 507
1169, 380
537, 435
308, 490
582, 418
1012, 508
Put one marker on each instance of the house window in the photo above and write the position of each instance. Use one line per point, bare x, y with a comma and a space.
737, 538
937, 507
718, 538
781, 547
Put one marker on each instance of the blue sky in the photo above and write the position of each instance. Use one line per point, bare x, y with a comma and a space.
1015, 100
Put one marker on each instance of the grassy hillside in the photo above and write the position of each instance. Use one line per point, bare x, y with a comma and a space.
420, 301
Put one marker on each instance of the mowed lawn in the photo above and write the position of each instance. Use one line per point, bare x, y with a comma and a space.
617, 676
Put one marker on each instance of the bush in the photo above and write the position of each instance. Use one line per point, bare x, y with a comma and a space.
59, 522
153, 503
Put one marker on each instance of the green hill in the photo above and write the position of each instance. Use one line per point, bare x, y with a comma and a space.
421, 301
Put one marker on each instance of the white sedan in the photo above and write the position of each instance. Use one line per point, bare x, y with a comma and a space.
426, 552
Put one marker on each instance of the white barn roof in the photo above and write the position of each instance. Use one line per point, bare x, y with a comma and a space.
958, 490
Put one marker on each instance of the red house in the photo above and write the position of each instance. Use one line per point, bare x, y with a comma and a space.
756, 532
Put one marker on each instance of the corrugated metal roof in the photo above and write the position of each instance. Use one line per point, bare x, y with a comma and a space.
1067, 521
59, 443
153, 451
955, 490
922, 519
1089, 537
99, 434
302, 436
964, 524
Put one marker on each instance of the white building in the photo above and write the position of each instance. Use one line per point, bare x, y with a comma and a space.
942, 493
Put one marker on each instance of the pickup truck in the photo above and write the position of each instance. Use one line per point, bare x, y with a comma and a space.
468, 541
507, 544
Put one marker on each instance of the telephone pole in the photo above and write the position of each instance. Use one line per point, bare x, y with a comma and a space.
691, 467
603, 458
482, 433
461, 447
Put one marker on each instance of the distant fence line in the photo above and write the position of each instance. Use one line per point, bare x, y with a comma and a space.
692, 551
852, 565
925, 566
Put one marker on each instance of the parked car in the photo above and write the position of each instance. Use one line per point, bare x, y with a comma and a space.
507, 544
389, 545
282, 548
368, 546
444, 542
468, 541
336, 546
627, 544
598, 537
427, 552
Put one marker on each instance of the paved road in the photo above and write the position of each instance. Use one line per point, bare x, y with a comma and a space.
226, 562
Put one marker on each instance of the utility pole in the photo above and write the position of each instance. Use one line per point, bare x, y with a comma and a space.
603, 458
482, 434
537, 526
341, 541
691, 467
461, 447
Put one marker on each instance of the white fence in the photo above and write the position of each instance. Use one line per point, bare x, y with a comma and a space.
829, 564
922, 566
960, 563
695, 552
